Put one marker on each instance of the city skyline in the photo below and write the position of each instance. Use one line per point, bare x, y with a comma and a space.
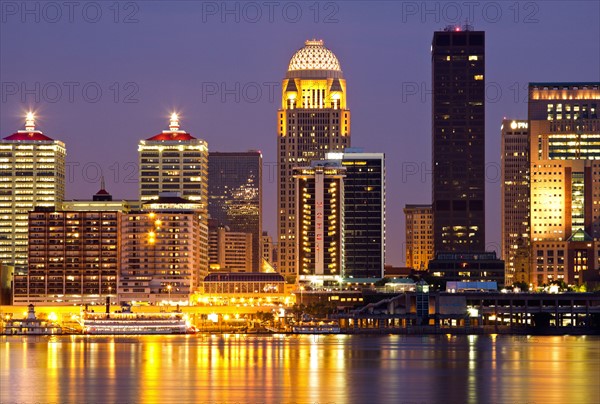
204, 114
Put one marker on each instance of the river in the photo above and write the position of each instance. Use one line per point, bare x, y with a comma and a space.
300, 369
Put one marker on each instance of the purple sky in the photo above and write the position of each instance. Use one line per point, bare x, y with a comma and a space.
173, 55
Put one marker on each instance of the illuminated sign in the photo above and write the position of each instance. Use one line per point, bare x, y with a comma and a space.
518, 125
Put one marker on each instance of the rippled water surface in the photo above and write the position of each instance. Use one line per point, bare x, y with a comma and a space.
300, 369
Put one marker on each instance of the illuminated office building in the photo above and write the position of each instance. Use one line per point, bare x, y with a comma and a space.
419, 236
32, 174
458, 140
313, 120
514, 210
565, 180
174, 161
320, 222
364, 213
164, 251
235, 195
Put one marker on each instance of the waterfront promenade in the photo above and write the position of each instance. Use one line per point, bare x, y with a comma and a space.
405, 313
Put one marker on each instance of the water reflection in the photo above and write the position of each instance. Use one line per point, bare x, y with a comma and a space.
307, 369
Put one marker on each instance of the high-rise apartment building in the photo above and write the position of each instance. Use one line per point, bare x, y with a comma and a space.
32, 174
73, 252
364, 213
514, 186
419, 236
458, 139
320, 222
174, 161
313, 120
235, 195
164, 251
564, 132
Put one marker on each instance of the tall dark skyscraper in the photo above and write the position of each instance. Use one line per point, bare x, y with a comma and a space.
235, 195
364, 213
458, 139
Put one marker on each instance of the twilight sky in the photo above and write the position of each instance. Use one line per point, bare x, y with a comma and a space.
103, 75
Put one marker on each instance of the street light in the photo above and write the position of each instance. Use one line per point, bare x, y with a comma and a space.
169, 289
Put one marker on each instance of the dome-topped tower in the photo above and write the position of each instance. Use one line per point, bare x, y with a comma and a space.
314, 60
313, 120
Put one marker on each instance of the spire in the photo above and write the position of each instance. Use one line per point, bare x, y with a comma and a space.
174, 125
102, 194
30, 122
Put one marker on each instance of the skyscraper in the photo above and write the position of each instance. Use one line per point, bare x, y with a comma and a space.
32, 174
364, 213
320, 222
565, 180
514, 195
313, 120
174, 161
458, 139
235, 195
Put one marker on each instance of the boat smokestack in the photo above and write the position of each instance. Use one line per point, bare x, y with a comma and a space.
107, 304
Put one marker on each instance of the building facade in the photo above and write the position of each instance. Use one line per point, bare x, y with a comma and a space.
267, 247
458, 140
73, 252
468, 267
32, 174
514, 205
174, 161
73, 257
419, 236
235, 195
320, 222
565, 181
364, 213
314, 119
164, 251
229, 251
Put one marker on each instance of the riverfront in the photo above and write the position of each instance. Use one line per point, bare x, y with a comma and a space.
300, 369
405, 313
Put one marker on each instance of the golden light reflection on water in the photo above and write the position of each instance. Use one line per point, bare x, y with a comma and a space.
333, 369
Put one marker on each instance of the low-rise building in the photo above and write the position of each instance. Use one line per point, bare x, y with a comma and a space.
468, 267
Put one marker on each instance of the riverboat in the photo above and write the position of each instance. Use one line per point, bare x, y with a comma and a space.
31, 325
135, 323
